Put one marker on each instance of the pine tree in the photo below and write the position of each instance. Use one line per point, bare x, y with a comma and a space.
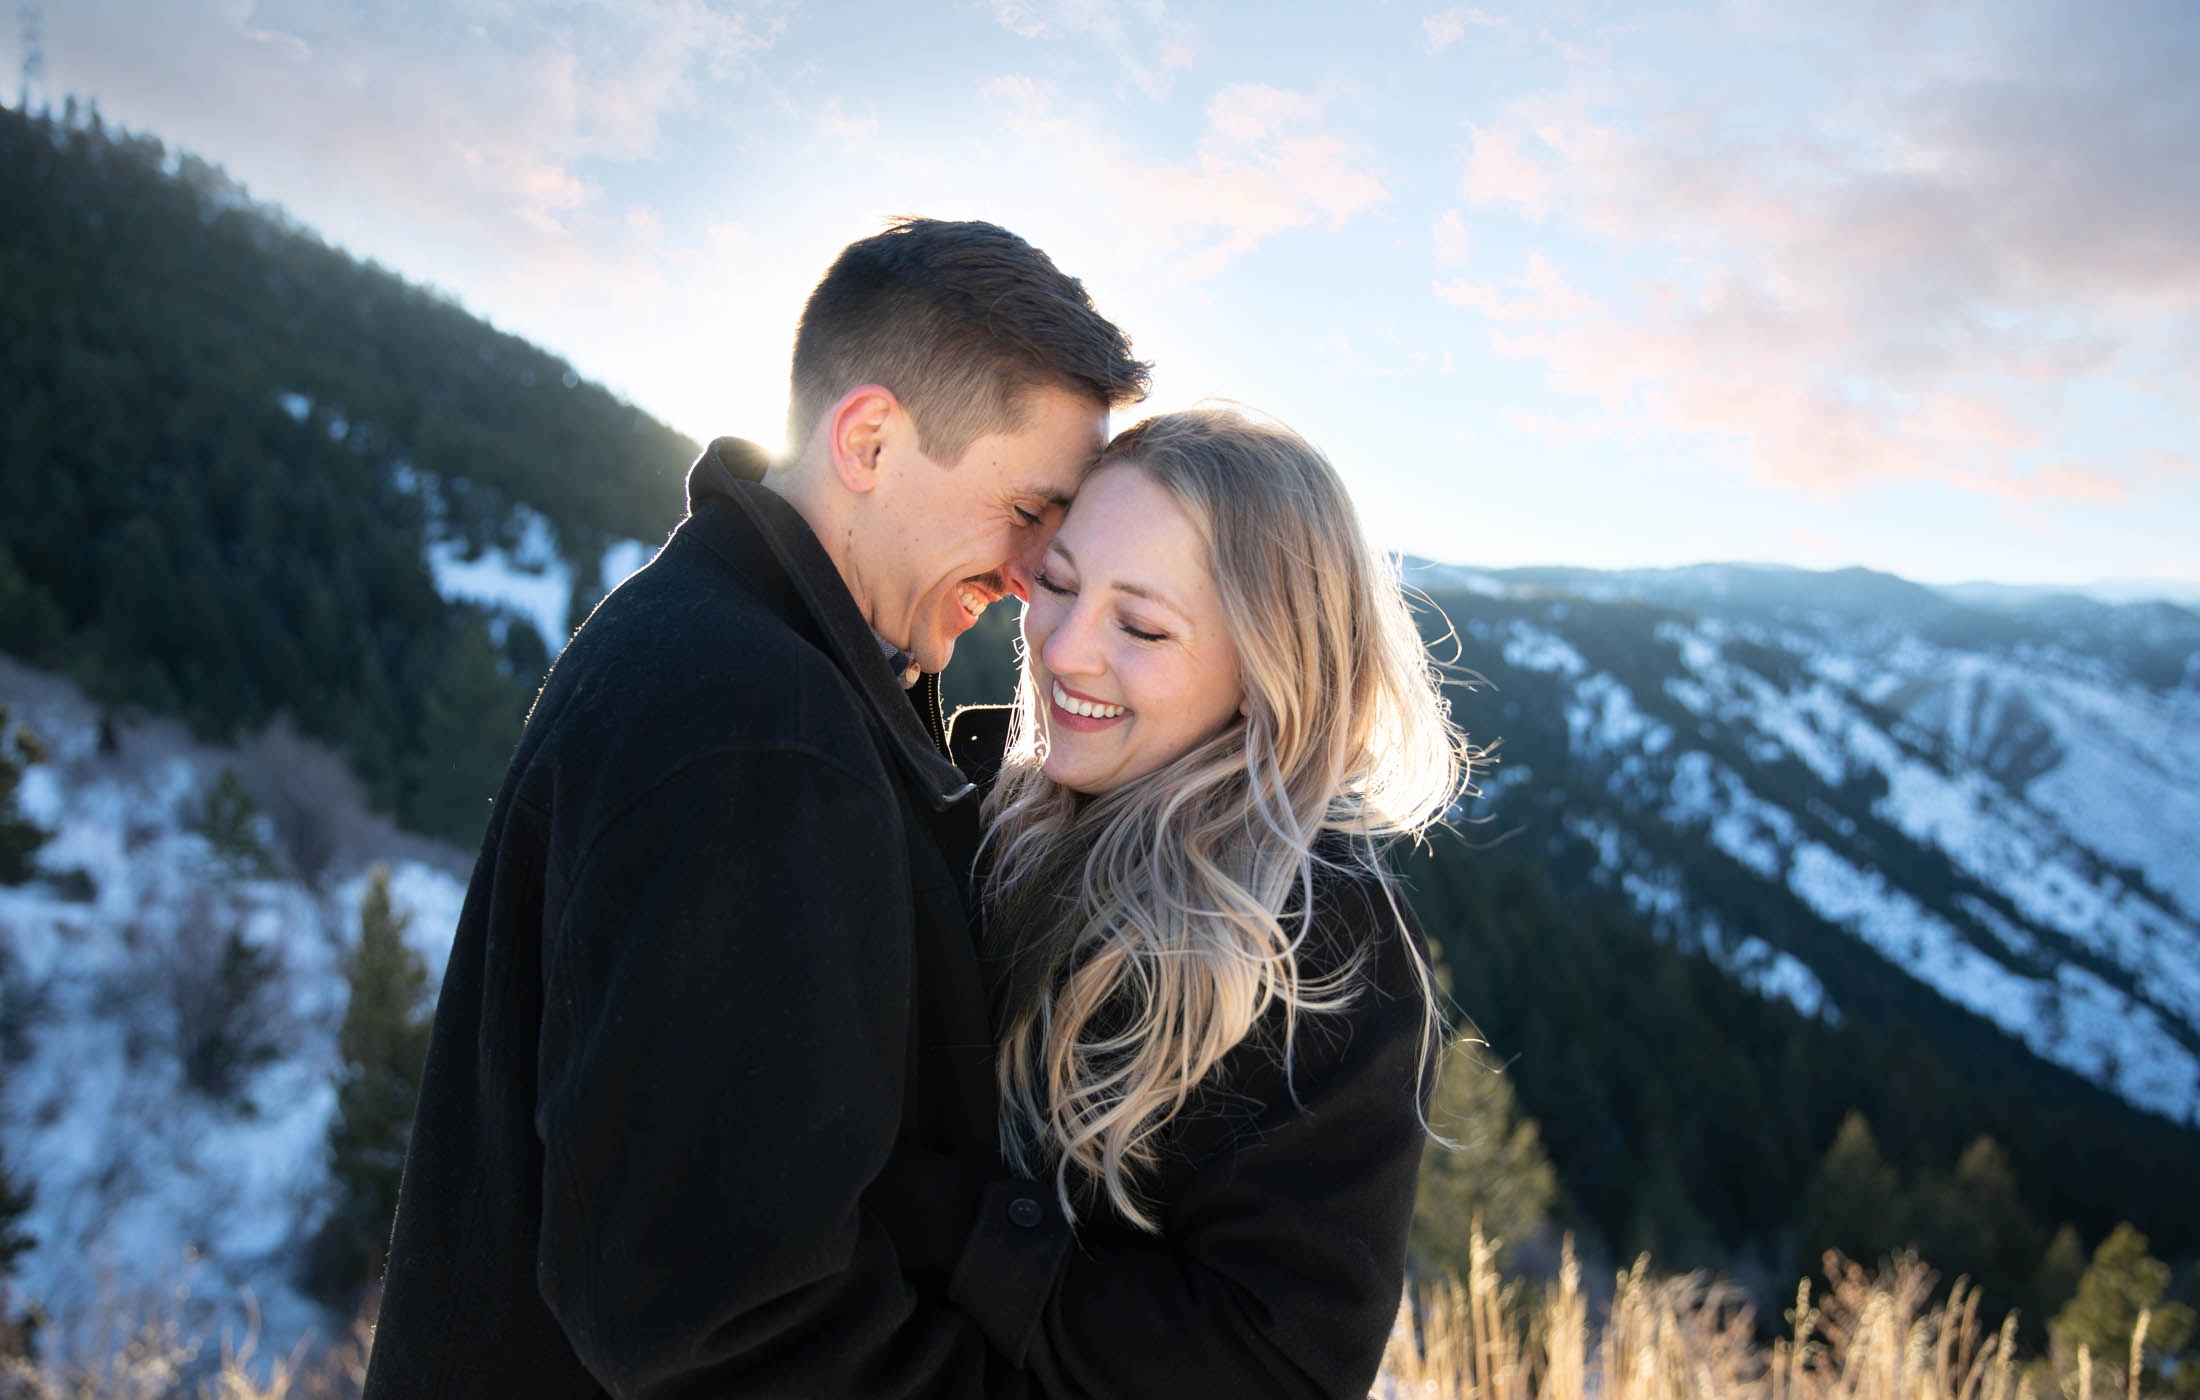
2122, 1281
1974, 1222
2055, 1280
1497, 1173
384, 1042
228, 1012
1852, 1202
231, 823
19, 841
20, 837
15, 1202
469, 710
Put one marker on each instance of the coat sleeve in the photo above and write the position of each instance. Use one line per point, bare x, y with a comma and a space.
1282, 1251
721, 1070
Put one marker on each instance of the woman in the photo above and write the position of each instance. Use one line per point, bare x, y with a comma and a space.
1218, 1016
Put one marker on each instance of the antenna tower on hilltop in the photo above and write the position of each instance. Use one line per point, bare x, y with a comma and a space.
34, 51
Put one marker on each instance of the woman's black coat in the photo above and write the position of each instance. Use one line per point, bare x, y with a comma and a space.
1284, 1202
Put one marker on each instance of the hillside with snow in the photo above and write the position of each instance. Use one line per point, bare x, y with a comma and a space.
2002, 804
160, 1172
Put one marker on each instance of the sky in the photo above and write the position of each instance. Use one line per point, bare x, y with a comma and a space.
1908, 284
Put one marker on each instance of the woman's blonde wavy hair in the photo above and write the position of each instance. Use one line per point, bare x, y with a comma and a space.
1152, 927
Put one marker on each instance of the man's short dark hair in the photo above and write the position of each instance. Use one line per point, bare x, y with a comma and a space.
960, 321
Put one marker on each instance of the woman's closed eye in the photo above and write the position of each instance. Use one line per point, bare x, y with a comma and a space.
1051, 584
1132, 629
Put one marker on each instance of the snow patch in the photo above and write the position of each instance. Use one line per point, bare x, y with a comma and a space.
1533, 649
2075, 1020
622, 559
531, 582
1778, 974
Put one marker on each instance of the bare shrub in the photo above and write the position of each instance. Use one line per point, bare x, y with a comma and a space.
224, 994
317, 808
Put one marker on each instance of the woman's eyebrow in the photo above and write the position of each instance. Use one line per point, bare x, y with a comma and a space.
1136, 590
1139, 590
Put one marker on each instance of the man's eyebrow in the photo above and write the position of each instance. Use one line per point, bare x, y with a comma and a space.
1057, 498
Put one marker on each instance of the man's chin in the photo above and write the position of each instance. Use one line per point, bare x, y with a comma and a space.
935, 653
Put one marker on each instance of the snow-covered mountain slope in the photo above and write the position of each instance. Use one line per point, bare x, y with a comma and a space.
145, 1179
508, 559
526, 577
2004, 805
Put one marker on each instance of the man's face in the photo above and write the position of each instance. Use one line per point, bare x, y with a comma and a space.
947, 541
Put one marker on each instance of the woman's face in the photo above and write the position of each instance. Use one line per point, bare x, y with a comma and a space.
1130, 654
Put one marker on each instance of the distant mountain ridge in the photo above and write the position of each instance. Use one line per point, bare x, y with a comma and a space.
2154, 640
1709, 578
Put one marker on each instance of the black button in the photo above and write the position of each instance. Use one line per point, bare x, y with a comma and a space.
1026, 1212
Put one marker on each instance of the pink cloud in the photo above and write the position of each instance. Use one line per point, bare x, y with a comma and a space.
1449, 242
1151, 44
1500, 172
1448, 27
1541, 293
1266, 162
469, 122
2065, 482
1896, 292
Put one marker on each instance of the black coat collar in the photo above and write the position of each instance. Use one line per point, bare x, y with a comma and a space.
729, 473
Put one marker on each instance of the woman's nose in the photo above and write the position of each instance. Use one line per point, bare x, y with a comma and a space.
1070, 650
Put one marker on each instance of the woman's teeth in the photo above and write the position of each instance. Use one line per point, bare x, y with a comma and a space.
973, 601
1089, 709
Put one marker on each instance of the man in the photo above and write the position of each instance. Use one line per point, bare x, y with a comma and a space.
712, 1058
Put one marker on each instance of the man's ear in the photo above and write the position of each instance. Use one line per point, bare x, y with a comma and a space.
855, 434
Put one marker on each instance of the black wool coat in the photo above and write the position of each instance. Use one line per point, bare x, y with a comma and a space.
709, 1101
1284, 1200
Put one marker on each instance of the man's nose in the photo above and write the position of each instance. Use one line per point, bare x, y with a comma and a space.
1020, 570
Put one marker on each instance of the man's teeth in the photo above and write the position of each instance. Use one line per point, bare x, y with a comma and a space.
1087, 708
973, 602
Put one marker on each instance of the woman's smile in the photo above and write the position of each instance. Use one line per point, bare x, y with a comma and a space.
1125, 636
1085, 715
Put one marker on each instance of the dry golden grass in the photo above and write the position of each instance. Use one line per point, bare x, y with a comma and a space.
1871, 1335
139, 1352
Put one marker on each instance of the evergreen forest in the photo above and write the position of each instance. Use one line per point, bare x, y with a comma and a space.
201, 406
